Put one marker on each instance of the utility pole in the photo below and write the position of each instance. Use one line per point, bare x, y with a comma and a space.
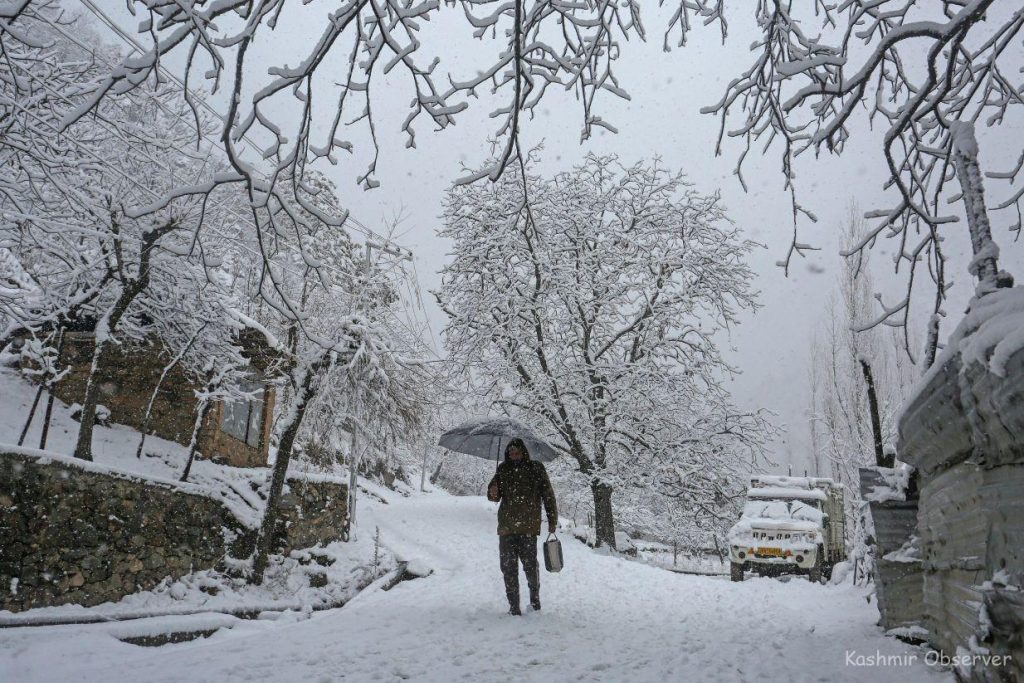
396, 251
353, 483
423, 469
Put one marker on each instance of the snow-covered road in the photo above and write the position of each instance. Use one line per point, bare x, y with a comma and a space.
604, 618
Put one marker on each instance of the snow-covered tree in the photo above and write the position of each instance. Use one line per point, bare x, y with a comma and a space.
924, 73
66, 193
589, 303
843, 358
121, 215
329, 318
843, 432
927, 71
535, 45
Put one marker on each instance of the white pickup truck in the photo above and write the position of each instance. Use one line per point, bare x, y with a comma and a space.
792, 525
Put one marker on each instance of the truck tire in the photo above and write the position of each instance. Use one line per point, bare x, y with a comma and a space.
735, 571
814, 573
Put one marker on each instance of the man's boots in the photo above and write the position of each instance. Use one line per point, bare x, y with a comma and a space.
512, 593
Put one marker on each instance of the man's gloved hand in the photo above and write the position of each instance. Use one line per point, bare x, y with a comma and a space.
492, 492
552, 527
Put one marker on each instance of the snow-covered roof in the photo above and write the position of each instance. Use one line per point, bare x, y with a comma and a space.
769, 480
990, 333
785, 493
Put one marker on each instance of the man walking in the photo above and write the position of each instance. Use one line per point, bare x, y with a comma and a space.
521, 485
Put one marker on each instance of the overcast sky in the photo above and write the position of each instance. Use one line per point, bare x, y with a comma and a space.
662, 119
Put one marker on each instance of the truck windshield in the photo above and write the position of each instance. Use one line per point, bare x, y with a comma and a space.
782, 509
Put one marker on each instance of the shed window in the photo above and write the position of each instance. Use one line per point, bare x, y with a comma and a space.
244, 419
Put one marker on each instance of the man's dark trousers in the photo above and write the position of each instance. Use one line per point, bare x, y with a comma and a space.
516, 548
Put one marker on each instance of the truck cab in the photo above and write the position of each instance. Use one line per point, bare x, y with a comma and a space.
789, 525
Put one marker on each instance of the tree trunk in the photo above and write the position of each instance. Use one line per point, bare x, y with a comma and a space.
156, 390
931, 345
83, 447
48, 415
353, 482
105, 328
193, 447
437, 472
604, 520
968, 171
265, 537
881, 459
31, 415
423, 470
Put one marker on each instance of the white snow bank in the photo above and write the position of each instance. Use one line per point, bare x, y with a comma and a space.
163, 626
340, 569
841, 572
909, 552
897, 481
909, 632
47, 457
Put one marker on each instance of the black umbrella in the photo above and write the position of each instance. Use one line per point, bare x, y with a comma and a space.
487, 438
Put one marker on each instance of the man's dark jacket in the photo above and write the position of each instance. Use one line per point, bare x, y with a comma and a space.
522, 486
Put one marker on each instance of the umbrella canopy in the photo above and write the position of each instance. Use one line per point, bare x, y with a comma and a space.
487, 438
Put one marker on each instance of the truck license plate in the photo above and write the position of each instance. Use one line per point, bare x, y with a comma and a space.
774, 552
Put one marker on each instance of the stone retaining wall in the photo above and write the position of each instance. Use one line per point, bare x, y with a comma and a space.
73, 535
85, 534
312, 512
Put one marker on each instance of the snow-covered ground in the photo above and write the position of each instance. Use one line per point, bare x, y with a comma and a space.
347, 566
604, 618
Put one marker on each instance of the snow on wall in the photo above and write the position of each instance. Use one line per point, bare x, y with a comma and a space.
963, 430
899, 582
